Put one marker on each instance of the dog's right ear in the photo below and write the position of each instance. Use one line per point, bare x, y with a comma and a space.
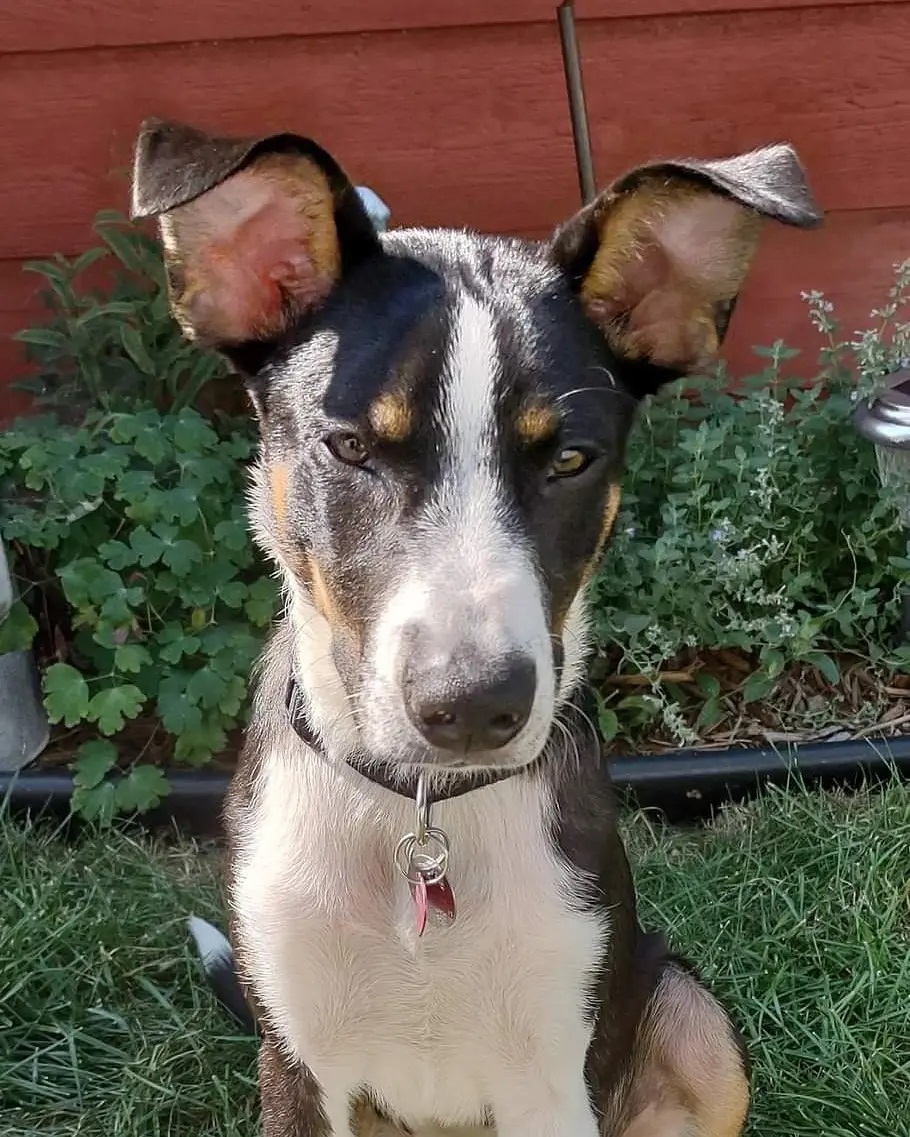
256, 231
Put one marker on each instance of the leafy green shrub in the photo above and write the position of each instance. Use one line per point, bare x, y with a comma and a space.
131, 527
754, 519
114, 347
17, 628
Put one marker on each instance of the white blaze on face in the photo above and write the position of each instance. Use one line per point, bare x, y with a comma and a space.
473, 582
470, 497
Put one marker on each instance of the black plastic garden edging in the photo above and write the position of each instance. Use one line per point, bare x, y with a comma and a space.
686, 785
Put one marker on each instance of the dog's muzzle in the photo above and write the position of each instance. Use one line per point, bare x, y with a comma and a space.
464, 706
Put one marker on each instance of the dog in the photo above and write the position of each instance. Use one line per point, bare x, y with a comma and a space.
432, 912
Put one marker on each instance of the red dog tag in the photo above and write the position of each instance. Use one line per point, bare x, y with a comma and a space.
438, 896
442, 898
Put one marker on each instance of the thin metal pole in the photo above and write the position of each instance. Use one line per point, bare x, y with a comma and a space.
577, 109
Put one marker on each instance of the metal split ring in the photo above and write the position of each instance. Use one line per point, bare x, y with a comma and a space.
425, 860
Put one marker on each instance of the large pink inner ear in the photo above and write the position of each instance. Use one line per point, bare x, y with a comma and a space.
671, 254
254, 252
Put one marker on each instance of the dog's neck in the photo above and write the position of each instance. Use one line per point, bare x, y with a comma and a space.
404, 782
317, 706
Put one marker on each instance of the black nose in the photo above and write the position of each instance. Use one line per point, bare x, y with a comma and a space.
469, 716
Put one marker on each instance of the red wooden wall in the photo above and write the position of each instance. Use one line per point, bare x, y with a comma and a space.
455, 112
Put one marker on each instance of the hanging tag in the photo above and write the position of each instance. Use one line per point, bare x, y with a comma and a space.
441, 897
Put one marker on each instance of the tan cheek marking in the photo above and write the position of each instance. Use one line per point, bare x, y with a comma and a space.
278, 486
322, 598
391, 417
325, 602
536, 423
611, 510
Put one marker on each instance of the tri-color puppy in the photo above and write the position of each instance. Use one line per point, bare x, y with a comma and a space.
432, 911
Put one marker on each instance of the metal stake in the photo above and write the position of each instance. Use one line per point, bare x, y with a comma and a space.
577, 109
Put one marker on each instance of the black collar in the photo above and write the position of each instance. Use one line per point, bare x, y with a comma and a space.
378, 774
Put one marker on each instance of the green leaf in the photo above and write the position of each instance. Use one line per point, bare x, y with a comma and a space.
182, 556
142, 789
131, 658
86, 581
66, 694
136, 349
117, 554
147, 546
117, 609
41, 337
233, 534
709, 685
151, 445
773, 663
825, 664
710, 714
175, 643
98, 804
231, 702
120, 240
178, 713
181, 504
757, 686
261, 602
82, 262
135, 486
195, 747
233, 593
112, 706
607, 721
205, 687
192, 434
94, 760
17, 628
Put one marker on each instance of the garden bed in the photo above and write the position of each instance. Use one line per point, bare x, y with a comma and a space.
749, 601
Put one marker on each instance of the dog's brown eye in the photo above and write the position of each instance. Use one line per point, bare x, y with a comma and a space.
569, 462
348, 448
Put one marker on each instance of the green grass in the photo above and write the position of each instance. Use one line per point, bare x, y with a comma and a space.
797, 908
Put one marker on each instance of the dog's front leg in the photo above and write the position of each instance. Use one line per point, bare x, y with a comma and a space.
540, 1107
293, 1105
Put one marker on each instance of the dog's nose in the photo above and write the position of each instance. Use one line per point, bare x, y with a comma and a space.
466, 716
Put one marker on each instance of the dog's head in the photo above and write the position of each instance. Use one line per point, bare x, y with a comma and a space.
443, 415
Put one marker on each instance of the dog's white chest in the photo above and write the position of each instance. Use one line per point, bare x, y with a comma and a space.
434, 1025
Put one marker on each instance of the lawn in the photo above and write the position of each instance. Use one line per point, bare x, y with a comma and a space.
797, 908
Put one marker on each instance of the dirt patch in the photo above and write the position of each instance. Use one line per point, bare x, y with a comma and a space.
803, 707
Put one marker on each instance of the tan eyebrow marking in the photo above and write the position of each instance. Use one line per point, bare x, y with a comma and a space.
537, 422
391, 416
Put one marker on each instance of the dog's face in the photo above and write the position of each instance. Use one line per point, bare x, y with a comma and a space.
443, 415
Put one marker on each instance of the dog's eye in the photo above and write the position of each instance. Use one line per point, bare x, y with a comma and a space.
347, 448
568, 463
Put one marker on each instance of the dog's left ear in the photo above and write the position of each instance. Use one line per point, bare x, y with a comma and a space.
256, 231
658, 259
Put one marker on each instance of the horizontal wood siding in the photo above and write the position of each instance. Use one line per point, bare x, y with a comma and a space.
456, 114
